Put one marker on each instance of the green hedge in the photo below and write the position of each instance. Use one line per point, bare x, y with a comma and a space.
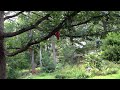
111, 47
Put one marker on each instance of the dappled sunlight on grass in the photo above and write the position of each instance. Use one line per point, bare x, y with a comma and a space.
72, 72
39, 76
111, 76
75, 72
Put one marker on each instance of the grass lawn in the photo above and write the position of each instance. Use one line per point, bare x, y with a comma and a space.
43, 76
52, 76
72, 72
111, 76
38, 76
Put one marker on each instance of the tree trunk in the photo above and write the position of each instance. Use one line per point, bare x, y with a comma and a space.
2, 50
54, 52
105, 27
33, 62
33, 65
40, 57
45, 47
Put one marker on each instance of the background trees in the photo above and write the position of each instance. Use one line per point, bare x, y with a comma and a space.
32, 30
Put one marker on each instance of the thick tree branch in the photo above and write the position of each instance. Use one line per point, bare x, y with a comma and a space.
8, 17
11, 34
93, 34
57, 28
13, 48
87, 21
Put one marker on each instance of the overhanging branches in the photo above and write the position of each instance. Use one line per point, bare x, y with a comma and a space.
57, 28
8, 17
92, 34
11, 34
87, 21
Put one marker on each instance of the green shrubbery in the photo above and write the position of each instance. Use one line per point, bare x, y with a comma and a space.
49, 68
100, 66
73, 72
111, 47
12, 73
20, 61
47, 63
67, 53
15, 64
94, 60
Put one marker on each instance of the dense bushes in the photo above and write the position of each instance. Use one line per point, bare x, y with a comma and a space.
12, 73
111, 47
20, 61
67, 53
47, 63
49, 68
98, 66
94, 60
15, 64
72, 72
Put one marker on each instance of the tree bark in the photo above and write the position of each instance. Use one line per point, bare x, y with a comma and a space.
54, 52
40, 57
2, 50
32, 54
33, 62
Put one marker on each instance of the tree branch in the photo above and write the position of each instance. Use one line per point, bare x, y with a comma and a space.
86, 21
11, 34
13, 48
93, 34
57, 28
8, 17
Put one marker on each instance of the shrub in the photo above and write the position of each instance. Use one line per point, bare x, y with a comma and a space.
105, 69
68, 52
94, 60
49, 68
72, 72
12, 73
112, 53
47, 62
112, 71
60, 76
19, 61
111, 47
